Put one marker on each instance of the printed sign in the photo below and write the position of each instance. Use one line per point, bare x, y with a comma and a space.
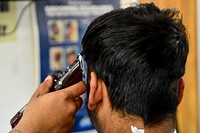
62, 24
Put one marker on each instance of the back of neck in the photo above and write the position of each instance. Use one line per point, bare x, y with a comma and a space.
117, 123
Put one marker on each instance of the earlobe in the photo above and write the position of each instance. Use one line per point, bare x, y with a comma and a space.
95, 94
180, 90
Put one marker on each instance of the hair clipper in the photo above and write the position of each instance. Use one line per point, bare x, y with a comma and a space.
61, 79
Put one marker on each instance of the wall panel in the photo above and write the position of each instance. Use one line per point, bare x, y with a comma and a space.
187, 113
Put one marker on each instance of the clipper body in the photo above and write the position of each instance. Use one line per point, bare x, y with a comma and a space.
61, 79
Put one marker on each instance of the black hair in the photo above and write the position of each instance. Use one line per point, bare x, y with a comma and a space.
140, 53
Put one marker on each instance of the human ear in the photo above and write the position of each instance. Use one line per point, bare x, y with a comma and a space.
181, 88
95, 94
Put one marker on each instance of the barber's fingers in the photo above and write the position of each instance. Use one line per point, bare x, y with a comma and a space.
44, 87
78, 102
75, 90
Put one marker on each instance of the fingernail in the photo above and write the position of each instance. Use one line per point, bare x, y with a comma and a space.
47, 78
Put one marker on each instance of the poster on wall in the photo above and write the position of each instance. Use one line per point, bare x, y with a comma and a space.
62, 24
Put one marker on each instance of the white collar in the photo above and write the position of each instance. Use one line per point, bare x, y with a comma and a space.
135, 130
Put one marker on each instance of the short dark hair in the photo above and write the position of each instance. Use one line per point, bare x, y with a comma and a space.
140, 53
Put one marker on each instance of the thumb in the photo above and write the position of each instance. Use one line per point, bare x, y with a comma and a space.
44, 87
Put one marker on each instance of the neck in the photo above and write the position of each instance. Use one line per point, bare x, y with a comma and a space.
117, 123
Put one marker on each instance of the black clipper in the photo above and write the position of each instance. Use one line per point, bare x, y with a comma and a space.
61, 79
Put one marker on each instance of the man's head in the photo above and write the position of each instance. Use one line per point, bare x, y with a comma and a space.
139, 53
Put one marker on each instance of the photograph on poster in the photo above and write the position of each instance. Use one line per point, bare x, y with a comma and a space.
71, 54
56, 58
55, 31
62, 24
71, 31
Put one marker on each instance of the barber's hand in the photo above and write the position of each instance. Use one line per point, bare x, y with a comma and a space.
52, 112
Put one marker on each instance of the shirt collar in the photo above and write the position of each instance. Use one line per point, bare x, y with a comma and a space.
136, 130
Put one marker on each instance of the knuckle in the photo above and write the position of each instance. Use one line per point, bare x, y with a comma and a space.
73, 108
62, 95
69, 95
43, 86
82, 84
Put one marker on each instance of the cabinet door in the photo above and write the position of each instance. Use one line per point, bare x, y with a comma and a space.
187, 116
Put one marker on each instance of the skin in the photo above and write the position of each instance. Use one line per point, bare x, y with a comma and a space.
55, 112
108, 120
51, 112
